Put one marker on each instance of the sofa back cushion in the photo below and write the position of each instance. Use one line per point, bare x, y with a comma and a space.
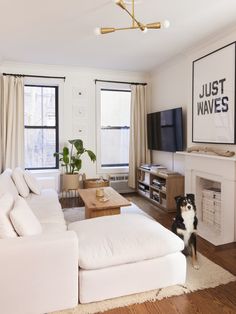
6, 205
24, 220
18, 177
32, 182
7, 185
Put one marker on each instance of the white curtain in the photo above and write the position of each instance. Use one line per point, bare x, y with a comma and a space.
12, 122
138, 151
1, 152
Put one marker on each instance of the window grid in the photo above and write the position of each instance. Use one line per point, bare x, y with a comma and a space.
115, 127
43, 127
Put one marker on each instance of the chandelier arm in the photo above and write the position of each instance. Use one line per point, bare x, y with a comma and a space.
140, 25
126, 28
133, 24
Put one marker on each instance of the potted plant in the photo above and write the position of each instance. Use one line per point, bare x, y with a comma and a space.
70, 158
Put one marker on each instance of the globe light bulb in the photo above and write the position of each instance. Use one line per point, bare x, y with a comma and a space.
145, 30
97, 31
165, 24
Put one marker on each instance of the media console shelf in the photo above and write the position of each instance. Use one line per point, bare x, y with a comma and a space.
161, 187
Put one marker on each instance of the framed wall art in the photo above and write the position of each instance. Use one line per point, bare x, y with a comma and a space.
213, 97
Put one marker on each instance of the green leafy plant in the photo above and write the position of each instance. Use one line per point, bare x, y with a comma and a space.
71, 158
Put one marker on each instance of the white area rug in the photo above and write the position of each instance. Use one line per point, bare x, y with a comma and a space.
78, 213
74, 214
209, 275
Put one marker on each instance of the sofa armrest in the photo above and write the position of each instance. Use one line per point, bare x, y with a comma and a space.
39, 274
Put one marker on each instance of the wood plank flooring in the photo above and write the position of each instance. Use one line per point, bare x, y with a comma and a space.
219, 300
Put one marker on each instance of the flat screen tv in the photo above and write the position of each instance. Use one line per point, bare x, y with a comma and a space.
165, 130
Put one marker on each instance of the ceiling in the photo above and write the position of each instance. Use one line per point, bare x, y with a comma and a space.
62, 32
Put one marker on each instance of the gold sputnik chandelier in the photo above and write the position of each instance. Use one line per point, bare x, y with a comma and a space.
135, 23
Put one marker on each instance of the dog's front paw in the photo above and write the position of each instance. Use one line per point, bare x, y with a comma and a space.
196, 266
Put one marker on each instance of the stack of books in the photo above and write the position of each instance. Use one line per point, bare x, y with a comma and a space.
149, 166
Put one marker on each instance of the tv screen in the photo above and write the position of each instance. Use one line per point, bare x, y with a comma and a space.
165, 130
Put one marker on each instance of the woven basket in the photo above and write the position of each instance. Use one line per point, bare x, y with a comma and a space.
95, 183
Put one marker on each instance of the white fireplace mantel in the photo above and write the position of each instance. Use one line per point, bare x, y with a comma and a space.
221, 170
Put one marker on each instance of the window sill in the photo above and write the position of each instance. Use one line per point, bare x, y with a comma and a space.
42, 171
112, 170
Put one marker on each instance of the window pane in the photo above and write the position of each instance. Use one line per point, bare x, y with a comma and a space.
115, 147
40, 106
33, 105
115, 108
115, 123
40, 145
49, 114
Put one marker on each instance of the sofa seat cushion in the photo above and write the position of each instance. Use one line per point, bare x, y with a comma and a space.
46, 206
53, 227
47, 196
120, 239
49, 214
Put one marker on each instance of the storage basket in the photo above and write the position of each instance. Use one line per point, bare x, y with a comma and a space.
96, 183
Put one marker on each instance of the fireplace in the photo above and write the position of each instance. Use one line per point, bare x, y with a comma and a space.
213, 181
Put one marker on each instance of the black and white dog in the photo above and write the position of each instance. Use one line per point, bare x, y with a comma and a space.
185, 225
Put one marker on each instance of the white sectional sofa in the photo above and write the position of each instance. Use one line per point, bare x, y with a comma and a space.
89, 261
39, 274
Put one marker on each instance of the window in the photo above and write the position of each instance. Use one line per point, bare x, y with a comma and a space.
41, 126
114, 124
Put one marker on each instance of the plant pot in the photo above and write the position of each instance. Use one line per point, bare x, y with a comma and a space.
70, 181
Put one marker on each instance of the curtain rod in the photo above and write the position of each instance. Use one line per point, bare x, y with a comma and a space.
38, 76
131, 83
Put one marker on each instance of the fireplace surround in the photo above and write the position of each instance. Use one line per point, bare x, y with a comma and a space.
213, 181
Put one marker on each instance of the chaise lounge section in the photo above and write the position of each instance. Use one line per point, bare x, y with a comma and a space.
126, 254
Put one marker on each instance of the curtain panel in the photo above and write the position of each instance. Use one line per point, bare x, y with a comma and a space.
12, 122
138, 151
1, 152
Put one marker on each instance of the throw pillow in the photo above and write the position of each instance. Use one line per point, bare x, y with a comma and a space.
32, 182
18, 177
6, 205
24, 220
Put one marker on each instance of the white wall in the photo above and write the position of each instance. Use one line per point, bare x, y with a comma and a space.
77, 112
169, 84
172, 87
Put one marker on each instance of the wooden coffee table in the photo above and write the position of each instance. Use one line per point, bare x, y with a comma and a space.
96, 207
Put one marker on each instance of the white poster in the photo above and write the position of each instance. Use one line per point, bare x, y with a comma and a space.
214, 97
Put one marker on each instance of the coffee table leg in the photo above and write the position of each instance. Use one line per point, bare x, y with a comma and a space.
87, 212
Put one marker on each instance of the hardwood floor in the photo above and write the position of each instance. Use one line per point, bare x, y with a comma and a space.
219, 300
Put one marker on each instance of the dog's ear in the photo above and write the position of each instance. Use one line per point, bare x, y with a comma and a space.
191, 197
178, 199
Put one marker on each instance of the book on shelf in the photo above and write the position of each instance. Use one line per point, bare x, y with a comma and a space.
158, 168
168, 172
152, 167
